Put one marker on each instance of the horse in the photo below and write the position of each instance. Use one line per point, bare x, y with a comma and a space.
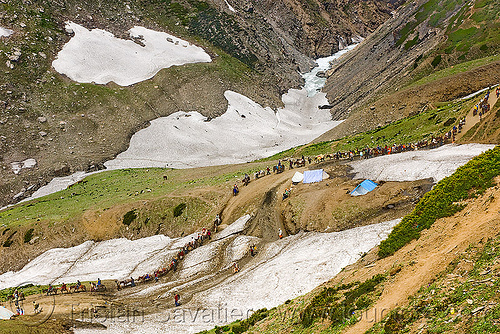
64, 288
76, 288
51, 291
319, 158
145, 278
300, 162
97, 288
278, 169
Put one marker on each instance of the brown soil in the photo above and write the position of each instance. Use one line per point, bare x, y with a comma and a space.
411, 101
262, 198
328, 206
422, 259
485, 129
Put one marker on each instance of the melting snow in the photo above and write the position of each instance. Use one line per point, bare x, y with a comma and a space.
313, 82
58, 183
111, 259
4, 32
281, 270
184, 140
18, 166
98, 56
230, 7
416, 165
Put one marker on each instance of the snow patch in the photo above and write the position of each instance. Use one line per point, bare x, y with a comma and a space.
18, 166
238, 249
230, 7
111, 259
303, 262
314, 83
187, 139
416, 165
237, 227
100, 57
57, 184
478, 92
4, 32
282, 270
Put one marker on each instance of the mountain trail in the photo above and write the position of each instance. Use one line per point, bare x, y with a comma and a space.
423, 259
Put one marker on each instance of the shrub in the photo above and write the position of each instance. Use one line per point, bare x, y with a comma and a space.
473, 178
28, 235
415, 64
7, 243
129, 217
240, 327
179, 209
436, 61
339, 307
411, 42
449, 121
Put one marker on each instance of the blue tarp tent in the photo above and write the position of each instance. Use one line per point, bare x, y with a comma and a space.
311, 176
364, 188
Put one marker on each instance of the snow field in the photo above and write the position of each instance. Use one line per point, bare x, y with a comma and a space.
100, 57
4, 32
186, 139
416, 165
282, 270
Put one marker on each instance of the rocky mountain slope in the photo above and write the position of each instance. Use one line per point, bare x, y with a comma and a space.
257, 49
422, 38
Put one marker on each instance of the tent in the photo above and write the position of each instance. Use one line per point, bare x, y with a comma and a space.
316, 175
364, 188
298, 177
5, 314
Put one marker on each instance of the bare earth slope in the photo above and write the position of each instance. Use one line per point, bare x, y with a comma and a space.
414, 266
371, 85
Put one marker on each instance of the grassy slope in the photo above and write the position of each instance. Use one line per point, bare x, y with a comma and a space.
407, 130
111, 114
126, 188
472, 35
458, 300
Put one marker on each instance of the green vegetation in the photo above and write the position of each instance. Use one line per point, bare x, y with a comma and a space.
459, 300
340, 307
101, 191
26, 290
422, 126
459, 68
8, 242
179, 209
28, 235
468, 33
444, 199
129, 217
24, 325
242, 326
436, 10
412, 42
435, 62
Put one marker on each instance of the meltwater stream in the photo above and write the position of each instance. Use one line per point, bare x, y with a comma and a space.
186, 139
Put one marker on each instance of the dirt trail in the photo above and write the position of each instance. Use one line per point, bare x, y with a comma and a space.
423, 259
471, 120
248, 197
